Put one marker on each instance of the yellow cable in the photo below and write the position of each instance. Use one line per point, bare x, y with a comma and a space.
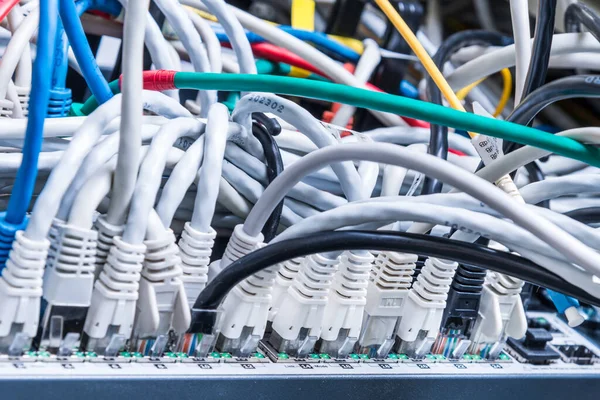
506, 91
203, 14
464, 92
303, 14
420, 52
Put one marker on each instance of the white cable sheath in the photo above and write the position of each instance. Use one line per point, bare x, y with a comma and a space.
573, 249
519, 12
131, 111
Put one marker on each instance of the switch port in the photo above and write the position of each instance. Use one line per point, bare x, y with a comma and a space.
577, 354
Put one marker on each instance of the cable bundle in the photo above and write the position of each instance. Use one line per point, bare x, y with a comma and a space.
271, 212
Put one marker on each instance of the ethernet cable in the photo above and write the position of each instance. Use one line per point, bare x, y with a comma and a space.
150, 173
190, 38
519, 12
6, 6
235, 33
580, 14
395, 155
131, 113
81, 48
26, 176
210, 40
542, 43
84, 139
304, 50
203, 315
493, 62
303, 14
383, 102
23, 71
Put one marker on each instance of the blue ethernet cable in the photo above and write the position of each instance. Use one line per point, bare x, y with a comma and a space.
568, 306
319, 39
60, 95
91, 72
14, 218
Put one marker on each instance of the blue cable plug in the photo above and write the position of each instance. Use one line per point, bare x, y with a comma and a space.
567, 306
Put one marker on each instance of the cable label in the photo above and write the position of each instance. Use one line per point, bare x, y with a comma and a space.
488, 148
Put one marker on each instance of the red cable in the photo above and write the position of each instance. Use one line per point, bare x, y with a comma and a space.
457, 152
6, 6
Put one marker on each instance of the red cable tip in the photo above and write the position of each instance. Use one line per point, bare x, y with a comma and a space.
157, 80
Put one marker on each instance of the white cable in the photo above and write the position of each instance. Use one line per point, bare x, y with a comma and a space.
179, 181
210, 40
23, 73
84, 139
368, 62
232, 200
215, 139
304, 50
150, 175
305, 123
131, 111
519, 12
493, 62
183, 27
552, 188
573, 249
235, 33
16, 47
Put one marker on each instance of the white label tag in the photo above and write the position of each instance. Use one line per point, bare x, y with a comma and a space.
488, 148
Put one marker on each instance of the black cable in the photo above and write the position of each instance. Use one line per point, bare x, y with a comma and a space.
264, 128
578, 14
578, 86
438, 141
542, 44
589, 215
203, 311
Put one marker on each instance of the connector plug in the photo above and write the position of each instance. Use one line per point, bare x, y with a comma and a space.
501, 315
106, 233
23, 93
7, 236
342, 320
21, 289
162, 303
114, 296
286, 272
389, 283
238, 246
68, 283
424, 306
297, 325
60, 102
6, 108
195, 248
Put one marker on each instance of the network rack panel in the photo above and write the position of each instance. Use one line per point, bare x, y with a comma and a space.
45, 376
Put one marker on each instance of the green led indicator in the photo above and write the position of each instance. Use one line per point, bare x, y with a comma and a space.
467, 357
215, 354
354, 356
31, 353
44, 354
226, 355
403, 356
440, 357
325, 356
137, 354
171, 355
430, 357
476, 357
182, 355
91, 354
393, 356
313, 356
504, 356
364, 356
259, 355
80, 354
125, 354
283, 356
